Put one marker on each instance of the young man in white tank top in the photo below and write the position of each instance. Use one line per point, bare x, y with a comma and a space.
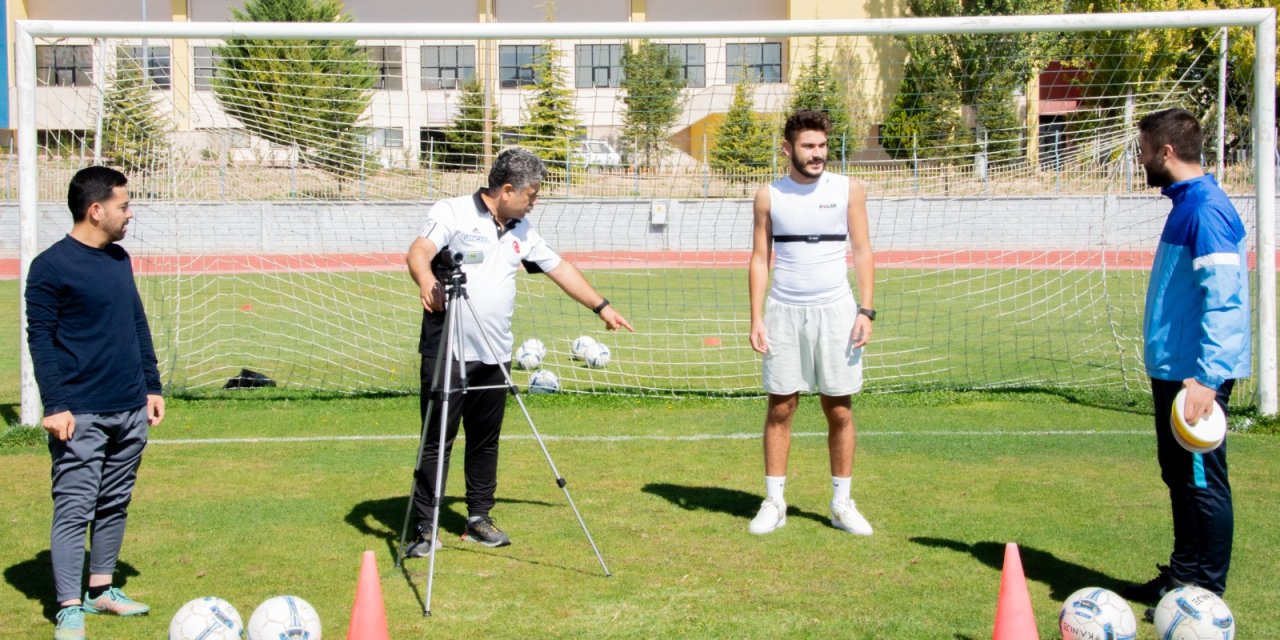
809, 327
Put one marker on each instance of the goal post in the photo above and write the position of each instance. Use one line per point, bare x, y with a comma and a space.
1010, 241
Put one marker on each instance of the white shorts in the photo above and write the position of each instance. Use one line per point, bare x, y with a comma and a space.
810, 348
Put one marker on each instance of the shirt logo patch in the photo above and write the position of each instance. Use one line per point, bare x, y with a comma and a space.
515, 246
829, 205
471, 238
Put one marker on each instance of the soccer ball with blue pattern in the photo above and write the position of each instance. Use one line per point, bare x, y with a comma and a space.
1094, 613
596, 355
580, 345
529, 355
544, 382
284, 618
1192, 613
206, 618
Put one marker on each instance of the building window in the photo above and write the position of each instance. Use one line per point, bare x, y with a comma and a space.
387, 137
515, 64
692, 60
205, 68
598, 65
157, 64
757, 62
64, 65
448, 67
388, 62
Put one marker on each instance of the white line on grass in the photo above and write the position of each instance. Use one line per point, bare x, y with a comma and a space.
661, 438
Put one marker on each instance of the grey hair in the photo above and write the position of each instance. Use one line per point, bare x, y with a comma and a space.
517, 167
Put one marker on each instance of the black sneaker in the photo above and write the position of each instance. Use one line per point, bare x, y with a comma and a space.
1154, 589
481, 529
421, 546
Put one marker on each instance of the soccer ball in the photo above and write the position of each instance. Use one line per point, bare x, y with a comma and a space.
544, 382
580, 345
1094, 613
529, 355
284, 618
206, 618
596, 355
1192, 613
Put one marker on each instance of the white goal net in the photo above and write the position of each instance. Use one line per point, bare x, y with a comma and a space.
279, 173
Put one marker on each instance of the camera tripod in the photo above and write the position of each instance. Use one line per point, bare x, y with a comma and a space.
452, 351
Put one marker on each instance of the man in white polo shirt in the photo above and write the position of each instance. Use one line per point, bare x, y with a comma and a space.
489, 230
810, 329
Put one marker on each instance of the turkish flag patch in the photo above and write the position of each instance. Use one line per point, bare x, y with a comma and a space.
515, 246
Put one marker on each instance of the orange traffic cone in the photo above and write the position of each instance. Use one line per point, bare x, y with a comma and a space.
1014, 620
368, 614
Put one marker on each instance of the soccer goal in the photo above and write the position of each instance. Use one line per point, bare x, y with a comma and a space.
280, 171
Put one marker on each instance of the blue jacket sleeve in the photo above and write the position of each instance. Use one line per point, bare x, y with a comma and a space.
44, 297
150, 372
1222, 277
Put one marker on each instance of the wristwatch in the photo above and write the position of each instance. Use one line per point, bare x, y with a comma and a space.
869, 313
604, 302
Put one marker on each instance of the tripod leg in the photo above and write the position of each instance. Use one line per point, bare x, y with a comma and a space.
451, 338
417, 463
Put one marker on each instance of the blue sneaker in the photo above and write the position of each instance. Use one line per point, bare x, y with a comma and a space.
70, 623
114, 602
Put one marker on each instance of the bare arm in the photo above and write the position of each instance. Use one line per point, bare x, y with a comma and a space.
758, 267
864, 266
570, 279
419, 259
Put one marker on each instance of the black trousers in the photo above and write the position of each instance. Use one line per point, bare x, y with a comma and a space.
480, 413
1200, 494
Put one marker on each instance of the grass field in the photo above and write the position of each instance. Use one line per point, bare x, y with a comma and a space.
227, 506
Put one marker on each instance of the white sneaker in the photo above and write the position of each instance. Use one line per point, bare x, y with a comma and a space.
845, 516
772, 515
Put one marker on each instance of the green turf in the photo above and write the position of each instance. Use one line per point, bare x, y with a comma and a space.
946, 479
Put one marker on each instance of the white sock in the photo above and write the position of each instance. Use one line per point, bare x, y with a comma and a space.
773, 486
840, 489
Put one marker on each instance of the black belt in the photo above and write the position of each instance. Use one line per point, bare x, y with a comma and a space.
822, 237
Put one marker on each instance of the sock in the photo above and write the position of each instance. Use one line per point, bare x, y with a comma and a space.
773, 486
840, 489
94, 592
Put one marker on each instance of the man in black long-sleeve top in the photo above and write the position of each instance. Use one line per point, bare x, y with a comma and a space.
96, 368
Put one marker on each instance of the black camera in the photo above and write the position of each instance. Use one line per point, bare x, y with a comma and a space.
447, 261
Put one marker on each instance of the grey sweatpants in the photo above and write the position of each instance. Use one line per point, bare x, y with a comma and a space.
93, 476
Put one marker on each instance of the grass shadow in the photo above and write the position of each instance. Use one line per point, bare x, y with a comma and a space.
34, 579
736, 503
1063, 577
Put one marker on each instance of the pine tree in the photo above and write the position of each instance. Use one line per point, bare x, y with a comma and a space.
742, 141
652, 83
304, 94
551, 122
134, 134
819, 89
464, 140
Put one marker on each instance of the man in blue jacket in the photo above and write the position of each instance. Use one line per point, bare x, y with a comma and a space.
96, 368
1197, 337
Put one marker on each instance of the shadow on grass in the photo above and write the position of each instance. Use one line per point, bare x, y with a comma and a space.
34, 579
9, 413
1063, 577
729, 501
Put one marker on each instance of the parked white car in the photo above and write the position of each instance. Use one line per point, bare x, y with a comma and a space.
596, 154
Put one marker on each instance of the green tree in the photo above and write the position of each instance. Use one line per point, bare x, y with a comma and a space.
551, 121
743, 141
134, 133
464, 140
304, 94
652, 83
819, 89
924, 120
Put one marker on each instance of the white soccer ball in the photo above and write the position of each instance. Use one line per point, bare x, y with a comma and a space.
1094, 613
544, 381
580, 345
596, 355
527, 358
284, 618
206, 618
534, 345
1192, 613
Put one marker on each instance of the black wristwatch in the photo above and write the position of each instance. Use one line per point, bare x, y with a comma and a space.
604, 302
869, 313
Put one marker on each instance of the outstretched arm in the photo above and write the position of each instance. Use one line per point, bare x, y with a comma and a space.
570, 279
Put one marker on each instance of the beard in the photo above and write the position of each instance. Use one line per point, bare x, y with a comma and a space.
1158, 177
803, 167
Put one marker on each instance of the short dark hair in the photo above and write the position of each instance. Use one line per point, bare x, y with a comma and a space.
517, 167
92, 185
805, 120
1176, 128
